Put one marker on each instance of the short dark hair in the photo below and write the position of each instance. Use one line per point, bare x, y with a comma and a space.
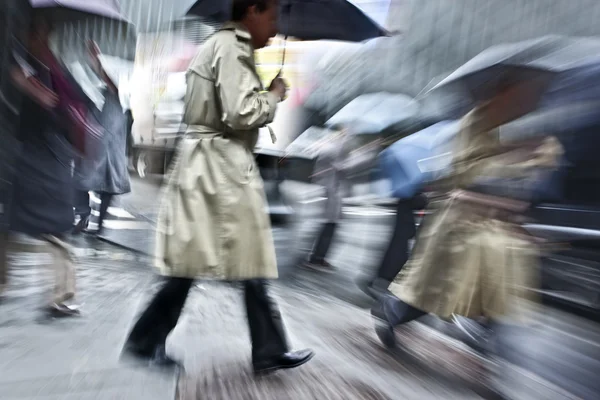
239, 9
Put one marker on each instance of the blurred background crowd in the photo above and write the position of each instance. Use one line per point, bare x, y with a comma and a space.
431, 162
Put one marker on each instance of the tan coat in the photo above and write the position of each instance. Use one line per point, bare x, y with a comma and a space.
213, 223
465, 261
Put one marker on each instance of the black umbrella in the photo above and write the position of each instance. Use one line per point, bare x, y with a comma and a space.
307, 19
539, 60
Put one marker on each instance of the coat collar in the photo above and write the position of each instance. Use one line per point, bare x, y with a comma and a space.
240, 30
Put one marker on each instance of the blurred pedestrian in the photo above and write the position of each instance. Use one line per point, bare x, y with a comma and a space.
52, 127
105, 171
329, 174
472, 258
213, 223
398, 249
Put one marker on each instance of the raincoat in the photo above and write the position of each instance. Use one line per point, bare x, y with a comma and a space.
467, 260
213, 222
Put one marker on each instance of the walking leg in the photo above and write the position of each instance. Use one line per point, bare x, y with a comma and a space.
64, 277
270, 350
160, 317
3, 261
396, 254
82, 209
389, 313
105, 200
318, 257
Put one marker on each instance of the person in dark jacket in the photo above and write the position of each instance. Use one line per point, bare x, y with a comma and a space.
106, 172
42, 203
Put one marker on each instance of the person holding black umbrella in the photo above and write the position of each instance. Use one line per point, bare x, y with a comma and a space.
213, 224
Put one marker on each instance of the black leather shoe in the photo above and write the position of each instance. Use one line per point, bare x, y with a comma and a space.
156, 357
383, 328
161, 359
288, 360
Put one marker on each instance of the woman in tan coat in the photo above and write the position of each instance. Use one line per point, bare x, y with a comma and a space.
472, 258
213, 223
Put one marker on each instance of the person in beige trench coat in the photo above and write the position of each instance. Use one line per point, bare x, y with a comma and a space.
471, 257
213, 223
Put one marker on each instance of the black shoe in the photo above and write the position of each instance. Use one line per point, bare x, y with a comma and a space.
319, 266
289, 360
156, 357
81, 226
161, 359
374, 288
383, 328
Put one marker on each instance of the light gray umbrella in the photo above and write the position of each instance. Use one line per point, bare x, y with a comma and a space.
80, 9
98, 20
541, 60
376, 113
556, 121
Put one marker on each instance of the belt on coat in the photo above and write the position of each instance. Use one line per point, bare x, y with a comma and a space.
202, 131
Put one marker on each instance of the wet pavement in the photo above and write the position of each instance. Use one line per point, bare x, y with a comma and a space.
78, 358
556, 358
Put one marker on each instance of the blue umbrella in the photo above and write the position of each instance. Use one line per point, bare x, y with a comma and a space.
416, 159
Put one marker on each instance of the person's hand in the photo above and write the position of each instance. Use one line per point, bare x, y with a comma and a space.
44, 96
278, 87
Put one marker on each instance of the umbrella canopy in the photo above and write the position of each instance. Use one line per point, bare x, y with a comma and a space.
307, 145
416, 159
540, 60
98, 20
79, 9
307, 19
376, 113
561, 121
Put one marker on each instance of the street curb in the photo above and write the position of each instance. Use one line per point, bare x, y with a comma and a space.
124, 246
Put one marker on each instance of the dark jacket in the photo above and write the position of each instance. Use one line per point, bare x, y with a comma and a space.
42, 200
106, 167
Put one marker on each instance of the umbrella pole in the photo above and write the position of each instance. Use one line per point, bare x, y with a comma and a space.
283, 56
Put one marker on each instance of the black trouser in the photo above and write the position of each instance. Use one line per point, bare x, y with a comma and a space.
161, 316
323, 243
399, 312
397, 252
82, 203
105, 200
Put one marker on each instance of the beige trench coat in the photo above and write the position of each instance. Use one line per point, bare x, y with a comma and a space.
466, 262
213, 222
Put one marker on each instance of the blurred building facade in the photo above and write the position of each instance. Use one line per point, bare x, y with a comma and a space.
437, 36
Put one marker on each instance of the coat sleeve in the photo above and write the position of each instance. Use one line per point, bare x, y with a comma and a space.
243, 105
